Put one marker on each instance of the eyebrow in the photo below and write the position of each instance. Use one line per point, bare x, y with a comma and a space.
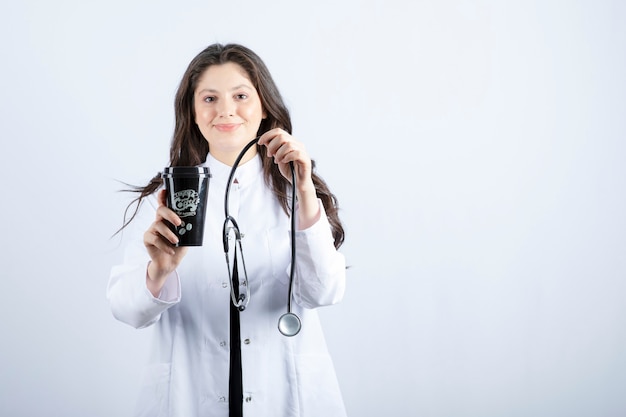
212, 90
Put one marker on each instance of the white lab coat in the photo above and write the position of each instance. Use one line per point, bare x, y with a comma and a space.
187, 372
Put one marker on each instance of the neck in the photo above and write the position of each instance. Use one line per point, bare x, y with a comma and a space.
229, 158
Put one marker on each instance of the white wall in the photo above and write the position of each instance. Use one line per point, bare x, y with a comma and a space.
476, 148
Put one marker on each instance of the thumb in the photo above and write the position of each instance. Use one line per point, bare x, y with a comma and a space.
162, 197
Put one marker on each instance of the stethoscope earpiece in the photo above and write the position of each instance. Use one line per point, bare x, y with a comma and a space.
289, 324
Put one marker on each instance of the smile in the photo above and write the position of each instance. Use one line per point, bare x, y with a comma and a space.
227, 127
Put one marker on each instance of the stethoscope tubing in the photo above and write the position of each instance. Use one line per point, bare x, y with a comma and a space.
289, 324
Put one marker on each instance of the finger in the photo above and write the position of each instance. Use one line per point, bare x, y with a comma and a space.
288, 152
156, 240
162, 197
267, 137
165, 213
298, 156
273, 140
163, 229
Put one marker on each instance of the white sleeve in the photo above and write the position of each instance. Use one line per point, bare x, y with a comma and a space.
320, 275
130, 300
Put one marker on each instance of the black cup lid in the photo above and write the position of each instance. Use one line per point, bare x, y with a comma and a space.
185, 171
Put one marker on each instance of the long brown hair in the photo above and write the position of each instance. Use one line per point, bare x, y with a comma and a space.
190, 148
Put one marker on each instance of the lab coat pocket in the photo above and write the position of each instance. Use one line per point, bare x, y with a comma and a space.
153, 398
279, 245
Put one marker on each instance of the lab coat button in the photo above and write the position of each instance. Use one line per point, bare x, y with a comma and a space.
222, 399
247, 341
248, 399
223, 343
224, 284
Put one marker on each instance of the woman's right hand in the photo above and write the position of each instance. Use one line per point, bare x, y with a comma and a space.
159, 241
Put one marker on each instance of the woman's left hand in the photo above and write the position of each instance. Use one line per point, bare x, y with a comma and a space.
284, 148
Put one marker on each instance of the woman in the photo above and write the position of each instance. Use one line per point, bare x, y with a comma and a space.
209, 359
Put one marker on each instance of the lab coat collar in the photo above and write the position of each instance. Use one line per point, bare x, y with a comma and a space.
246, 173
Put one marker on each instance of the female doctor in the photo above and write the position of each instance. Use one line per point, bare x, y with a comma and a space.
209, 358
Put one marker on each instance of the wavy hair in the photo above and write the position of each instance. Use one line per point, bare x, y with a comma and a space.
190, 148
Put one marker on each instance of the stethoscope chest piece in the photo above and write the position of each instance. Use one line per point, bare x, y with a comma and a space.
289, 324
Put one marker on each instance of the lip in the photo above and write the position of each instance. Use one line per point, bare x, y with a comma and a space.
227, 127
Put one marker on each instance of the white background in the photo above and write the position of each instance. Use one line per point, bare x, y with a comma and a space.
477, 149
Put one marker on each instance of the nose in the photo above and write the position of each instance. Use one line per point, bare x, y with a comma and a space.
226, 108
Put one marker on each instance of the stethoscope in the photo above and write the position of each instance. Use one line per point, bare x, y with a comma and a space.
289, 324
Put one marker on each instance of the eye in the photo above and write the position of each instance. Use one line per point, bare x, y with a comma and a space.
241, 96
208, 99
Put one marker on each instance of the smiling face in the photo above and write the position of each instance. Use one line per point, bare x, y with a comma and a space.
228, 111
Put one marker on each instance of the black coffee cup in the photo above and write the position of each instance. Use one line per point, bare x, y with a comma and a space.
187, 190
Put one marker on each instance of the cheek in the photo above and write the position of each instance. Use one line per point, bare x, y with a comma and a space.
201, 117
255, 113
